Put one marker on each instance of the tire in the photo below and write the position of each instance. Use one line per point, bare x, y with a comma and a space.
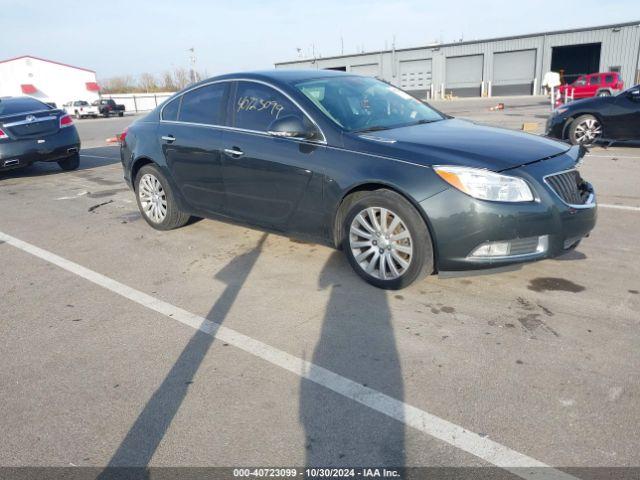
604, 93
364, 251
150, 180
121, 114
70, 163
579, 127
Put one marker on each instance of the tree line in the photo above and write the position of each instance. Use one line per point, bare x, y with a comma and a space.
168, 81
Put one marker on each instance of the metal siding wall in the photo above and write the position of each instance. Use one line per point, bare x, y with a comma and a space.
620, 48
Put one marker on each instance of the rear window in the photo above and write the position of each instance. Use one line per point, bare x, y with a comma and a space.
170, 110
13, 106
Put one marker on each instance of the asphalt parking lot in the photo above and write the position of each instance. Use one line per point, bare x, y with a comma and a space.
216, 344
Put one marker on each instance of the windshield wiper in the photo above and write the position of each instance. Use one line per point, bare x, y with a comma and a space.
375, 128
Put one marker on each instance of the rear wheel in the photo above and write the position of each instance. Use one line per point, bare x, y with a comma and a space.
156, 200
386, 240
585, 130
121, 114
70, 163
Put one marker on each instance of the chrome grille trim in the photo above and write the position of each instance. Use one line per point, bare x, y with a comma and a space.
564, 185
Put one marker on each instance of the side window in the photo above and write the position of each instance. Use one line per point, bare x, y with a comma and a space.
257, 106
204, 105
170, 110
608, 79
595, 80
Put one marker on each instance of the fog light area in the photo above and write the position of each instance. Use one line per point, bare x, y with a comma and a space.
512, 248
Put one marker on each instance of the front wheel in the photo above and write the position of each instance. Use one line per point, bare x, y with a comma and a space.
121, 114
386, 240
156, 200
585, 130
604, 93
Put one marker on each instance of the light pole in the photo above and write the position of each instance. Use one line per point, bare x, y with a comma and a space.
192, 65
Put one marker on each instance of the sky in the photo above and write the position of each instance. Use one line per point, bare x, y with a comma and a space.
118, 37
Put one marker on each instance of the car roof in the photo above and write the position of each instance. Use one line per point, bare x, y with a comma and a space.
280, 75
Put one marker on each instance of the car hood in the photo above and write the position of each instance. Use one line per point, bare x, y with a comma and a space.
458, 142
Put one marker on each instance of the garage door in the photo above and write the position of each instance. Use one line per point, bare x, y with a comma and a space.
513, 72
464, 75
369, 70
415, 76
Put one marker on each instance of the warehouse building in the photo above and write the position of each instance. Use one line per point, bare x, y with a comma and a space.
500, 66
47, 80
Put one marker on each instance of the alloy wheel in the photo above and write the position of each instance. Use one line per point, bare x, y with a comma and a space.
588, 131
381, 243
152, 198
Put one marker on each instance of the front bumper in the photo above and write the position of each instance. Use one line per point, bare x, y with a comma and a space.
556, 126
51, 148
459, 223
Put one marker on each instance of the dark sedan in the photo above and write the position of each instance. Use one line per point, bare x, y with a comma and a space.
358, 164
598, 120
32, 131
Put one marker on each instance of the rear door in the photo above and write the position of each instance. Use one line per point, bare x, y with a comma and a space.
265, 177
192, 143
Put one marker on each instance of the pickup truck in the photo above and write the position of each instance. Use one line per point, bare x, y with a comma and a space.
81, 109
108, 107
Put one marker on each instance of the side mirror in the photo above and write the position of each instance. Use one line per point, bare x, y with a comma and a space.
291, 126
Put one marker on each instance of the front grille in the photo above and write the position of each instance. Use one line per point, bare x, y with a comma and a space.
570, 187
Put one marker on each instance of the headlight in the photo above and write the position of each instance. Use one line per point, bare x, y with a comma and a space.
560, 110
486, 185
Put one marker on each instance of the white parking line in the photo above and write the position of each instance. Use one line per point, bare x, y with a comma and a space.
619, 207
613, 155
455, 435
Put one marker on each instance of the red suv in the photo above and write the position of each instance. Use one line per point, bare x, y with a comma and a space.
594, 85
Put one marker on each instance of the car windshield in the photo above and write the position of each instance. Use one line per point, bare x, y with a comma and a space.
366, 104
12, 106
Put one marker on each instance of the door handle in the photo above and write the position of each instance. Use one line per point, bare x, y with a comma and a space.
235, 152
168, 138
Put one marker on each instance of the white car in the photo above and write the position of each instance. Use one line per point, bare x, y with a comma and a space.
81, 109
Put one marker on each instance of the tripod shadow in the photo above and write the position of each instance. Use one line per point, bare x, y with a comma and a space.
357, 342
146, 433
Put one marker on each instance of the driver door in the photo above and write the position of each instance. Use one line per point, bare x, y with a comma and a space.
624, 117
265, 177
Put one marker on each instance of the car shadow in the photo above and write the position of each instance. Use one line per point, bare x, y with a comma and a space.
357, 341
90, 158
141, 441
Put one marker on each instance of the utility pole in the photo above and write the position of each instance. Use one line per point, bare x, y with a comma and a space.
192, 65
